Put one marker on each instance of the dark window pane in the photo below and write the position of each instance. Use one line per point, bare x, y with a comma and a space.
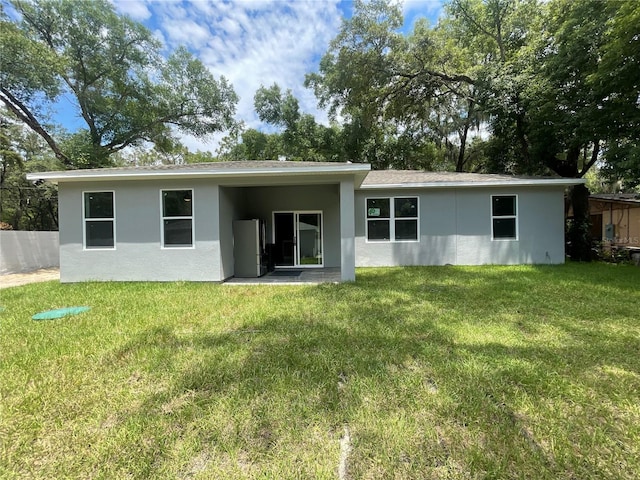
99, 234
176, 203
406, 207
378, 208
504, 228
406, 229
504, 205
178, 233
378, 230
98, 205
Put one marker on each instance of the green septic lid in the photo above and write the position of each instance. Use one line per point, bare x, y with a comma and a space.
59, 313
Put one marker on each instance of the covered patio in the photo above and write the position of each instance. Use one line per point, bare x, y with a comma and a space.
310, 276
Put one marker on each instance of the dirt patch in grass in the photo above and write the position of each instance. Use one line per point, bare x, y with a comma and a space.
18, 279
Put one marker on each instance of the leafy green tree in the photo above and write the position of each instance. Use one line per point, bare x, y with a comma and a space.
178, 154
396, 92
111, 66
300, 136
23, 204
355, 73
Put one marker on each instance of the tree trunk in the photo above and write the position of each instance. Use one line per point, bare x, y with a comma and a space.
578, 233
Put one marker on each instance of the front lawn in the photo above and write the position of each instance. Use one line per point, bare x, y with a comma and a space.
409, 373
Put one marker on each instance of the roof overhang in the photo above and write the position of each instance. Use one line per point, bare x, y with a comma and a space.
616, 201
516, 182
359, 172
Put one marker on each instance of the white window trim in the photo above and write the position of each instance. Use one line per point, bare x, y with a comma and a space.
85, 219
185, 217
517, 237
392, 220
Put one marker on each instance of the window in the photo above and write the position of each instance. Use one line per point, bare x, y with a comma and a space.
177, 218
392, 219
504, 217
99, 220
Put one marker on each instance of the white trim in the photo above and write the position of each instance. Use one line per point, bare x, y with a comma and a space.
106, 219
489, 183
516, 216
392, 219
296, 253
184, 217
105, 174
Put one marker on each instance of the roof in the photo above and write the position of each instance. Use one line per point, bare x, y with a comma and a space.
626, 198
365, 178
418, 179
204, 170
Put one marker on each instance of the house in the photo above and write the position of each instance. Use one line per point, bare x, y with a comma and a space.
175, 222
615, 219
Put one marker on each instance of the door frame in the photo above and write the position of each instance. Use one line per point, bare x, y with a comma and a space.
296, 230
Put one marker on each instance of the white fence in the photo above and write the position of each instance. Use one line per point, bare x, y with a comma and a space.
26, 251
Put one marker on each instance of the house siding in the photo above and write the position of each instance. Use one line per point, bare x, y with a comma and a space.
626, 222
455, 228
232, 207
138, 253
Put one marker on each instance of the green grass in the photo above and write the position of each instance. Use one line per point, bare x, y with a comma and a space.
444, 372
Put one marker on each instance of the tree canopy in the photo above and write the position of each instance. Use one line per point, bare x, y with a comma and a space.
111, 68
554, 84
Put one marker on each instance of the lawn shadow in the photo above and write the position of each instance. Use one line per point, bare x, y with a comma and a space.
292, 369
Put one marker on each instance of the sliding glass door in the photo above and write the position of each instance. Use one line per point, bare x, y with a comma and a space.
298, 239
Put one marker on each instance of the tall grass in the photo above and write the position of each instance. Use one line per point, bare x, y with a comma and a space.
444, 372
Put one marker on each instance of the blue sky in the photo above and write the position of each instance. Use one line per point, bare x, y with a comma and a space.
254, 42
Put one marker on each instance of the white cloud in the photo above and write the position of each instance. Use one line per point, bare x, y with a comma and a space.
251, 43
186, 32
136, 9
426, 8
414, 9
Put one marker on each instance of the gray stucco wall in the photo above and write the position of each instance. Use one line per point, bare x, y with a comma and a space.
455, 228
26, 251
232, 207
138, 254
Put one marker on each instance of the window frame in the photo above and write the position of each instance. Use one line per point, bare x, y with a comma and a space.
181, 217
515, 217
105, 219
392, 219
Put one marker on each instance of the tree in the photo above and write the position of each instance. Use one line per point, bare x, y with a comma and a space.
177, 154
300, 137
111, 66
396, 91
354, 74
23, 204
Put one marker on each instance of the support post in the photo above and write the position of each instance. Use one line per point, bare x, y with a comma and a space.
347, 232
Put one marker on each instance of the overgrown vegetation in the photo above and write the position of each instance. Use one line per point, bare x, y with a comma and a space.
443, 372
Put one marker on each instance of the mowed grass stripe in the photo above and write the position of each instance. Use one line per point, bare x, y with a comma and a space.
438, 372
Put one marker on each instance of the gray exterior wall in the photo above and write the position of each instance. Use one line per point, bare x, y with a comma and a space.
455, 228
138, 254
232, 207
27, 251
